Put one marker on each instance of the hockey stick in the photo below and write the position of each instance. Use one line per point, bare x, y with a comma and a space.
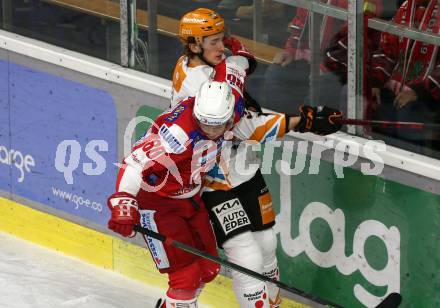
385, 124
390, 300
236, 267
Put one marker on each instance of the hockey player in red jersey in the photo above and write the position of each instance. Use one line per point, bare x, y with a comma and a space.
159, 183
158, 187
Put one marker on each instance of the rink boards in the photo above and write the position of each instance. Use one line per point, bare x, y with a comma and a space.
98, 249
344, 233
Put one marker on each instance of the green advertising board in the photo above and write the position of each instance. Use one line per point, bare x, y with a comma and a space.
357, 238
352, 238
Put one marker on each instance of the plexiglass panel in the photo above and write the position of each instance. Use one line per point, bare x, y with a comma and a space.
301, 53
90, 27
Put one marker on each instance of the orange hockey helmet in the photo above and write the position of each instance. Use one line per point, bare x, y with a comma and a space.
200, 23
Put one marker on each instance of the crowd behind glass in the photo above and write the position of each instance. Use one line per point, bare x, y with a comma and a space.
402, 76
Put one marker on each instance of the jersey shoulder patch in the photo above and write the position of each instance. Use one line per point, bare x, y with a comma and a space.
174, 113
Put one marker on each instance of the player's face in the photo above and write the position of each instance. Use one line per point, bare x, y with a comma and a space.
213, 48
215, 132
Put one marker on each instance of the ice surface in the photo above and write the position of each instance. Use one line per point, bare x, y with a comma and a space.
36, 277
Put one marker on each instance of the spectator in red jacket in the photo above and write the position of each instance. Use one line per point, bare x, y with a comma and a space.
289, 73
288, 76
406, 73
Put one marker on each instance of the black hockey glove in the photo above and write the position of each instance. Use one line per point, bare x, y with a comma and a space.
321, 120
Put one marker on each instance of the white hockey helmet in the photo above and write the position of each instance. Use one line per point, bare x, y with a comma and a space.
214, 107
214, 104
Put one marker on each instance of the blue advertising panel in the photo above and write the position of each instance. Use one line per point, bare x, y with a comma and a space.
64, 140
5, 178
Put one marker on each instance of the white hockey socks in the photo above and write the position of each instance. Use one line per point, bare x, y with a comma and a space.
244, 250
268, 243
271, 271
253, 296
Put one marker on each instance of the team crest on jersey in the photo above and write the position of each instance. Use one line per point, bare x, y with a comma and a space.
175, 113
